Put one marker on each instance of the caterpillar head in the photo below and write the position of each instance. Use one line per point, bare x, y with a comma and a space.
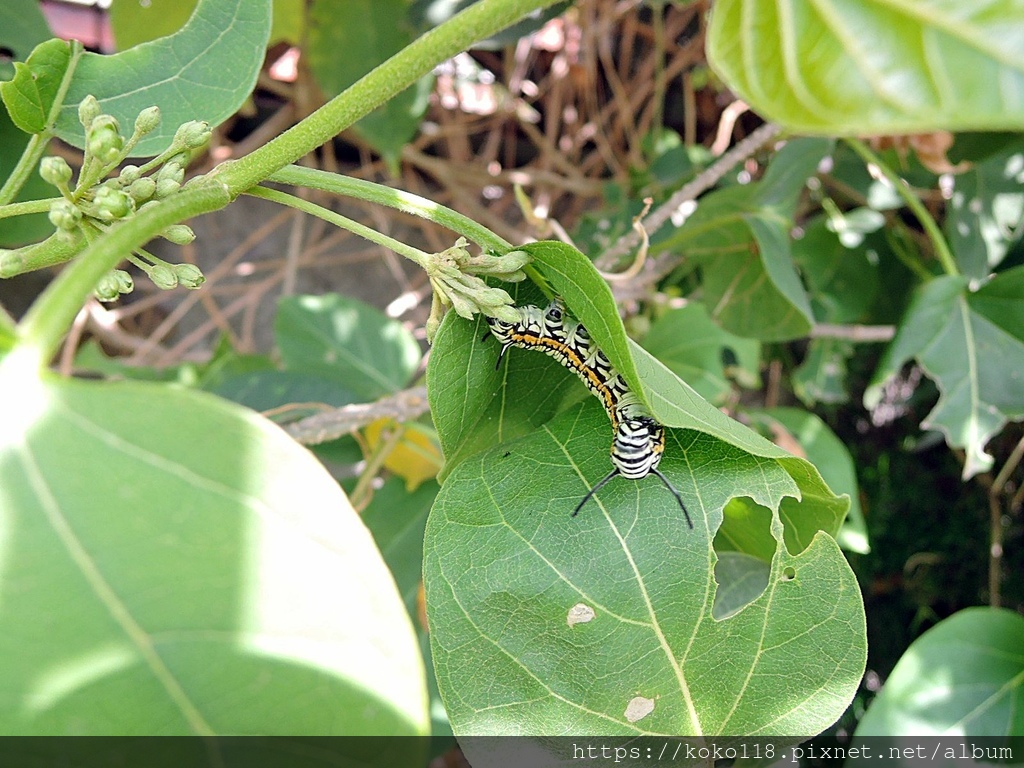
638, 446
501, 330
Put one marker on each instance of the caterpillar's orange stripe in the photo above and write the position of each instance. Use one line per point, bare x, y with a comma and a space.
571, 359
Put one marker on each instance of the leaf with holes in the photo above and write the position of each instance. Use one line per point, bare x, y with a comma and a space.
577, 619
859, 67
972, 345
474, 406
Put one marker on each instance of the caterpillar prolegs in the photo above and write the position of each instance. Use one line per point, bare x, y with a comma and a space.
639, 440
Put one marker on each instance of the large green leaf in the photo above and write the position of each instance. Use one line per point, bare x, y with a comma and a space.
860, 67
174, 564
602, 623
963, 677
348, 38
972, 345
204, 71
986, 214
343, 339
474, 406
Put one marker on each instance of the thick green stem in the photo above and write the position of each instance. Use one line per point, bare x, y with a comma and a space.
48, 253
938, 241
413, 254
406, 202
27, 207
478, 21
52, 313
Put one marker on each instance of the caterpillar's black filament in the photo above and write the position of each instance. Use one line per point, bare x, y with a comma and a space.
639, 440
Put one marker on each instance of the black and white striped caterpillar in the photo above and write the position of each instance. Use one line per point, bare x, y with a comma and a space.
639, 440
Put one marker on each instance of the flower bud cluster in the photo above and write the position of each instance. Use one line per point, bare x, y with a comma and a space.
455, 277
94, 203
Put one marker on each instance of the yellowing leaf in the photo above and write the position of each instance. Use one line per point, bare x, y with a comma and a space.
415, 459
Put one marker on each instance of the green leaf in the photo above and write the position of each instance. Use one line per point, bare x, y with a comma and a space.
30, 96
474, 404
960, 678
821, 377
397, 519
986, 214
972, 345
511, 576
346, 341
190, 562
133, 22
790, 168
289, 22
831, 458
204, 71
266, 390
22, 28
20, 230
856, 67
750, 285
694, 348
842, 280
348, 38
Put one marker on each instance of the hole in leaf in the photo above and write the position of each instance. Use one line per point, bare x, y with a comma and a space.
788, 573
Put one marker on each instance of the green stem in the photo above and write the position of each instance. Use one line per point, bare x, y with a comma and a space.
406, 202
26, 163
413, 254
27, 207
476, 22
52, 313
938, 241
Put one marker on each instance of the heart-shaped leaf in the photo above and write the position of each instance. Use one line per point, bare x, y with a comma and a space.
602, 623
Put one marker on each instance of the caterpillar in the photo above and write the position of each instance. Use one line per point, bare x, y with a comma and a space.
639, 440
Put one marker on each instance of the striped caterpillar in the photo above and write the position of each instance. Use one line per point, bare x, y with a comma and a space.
639, 440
